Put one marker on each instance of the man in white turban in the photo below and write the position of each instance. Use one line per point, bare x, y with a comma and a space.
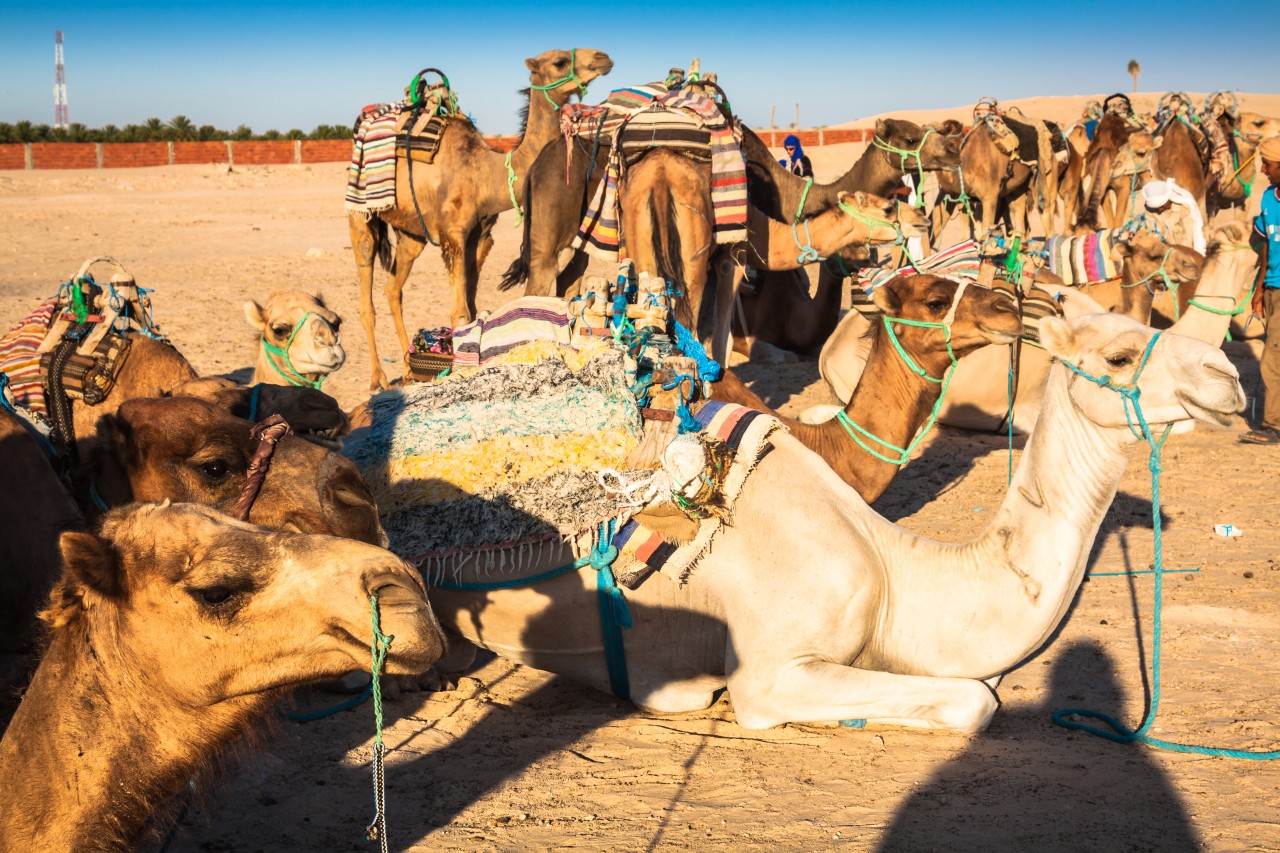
1172, 212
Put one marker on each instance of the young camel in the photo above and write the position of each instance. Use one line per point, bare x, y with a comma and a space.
115, 723
457, 198
298, 339
812, 608
892, 401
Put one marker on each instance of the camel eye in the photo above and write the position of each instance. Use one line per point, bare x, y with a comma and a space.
1119, 360
215, 469
937, 304
214, 595
280, 331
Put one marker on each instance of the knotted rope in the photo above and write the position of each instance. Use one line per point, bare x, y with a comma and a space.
297, 379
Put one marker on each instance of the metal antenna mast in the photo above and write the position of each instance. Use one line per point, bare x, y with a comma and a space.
59, 83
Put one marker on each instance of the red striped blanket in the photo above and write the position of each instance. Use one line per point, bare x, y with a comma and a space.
371, 177
19, 359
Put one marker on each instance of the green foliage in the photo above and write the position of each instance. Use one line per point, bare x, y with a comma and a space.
180, 128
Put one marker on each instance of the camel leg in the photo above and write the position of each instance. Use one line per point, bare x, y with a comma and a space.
1019, 214
454, 246
728, 279
817, 691
940, 217
364, 249
408, 248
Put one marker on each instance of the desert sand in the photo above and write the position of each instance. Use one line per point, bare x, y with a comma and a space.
514, 759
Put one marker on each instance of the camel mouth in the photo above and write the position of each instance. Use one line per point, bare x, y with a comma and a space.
1212, 412
1000, 336
601, 68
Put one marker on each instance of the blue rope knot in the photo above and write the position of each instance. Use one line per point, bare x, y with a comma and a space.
808, 254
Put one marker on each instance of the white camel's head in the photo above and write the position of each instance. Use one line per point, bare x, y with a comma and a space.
302, 325
1179, 378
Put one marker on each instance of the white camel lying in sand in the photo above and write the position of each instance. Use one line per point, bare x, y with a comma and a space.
813, 608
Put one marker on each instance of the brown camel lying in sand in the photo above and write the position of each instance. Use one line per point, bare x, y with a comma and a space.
893, 399
115, 722
156, 449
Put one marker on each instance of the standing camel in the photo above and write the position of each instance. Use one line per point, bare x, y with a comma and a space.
457, 198
171, 633
993, 181
1107, 148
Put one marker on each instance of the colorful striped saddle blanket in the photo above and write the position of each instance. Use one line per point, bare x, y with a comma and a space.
642, 119
19, 360
1085, 259
371, 177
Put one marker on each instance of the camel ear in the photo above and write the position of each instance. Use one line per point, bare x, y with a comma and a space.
881, 127
531, 64
90, 562
255, 316
1056, 337
1121, 251
886, 297
1155, 143
860, 200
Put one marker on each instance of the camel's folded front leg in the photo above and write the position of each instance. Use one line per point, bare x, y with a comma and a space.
817, 691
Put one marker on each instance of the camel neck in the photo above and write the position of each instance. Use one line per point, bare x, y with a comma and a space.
1223, 285
543, 125
891, 402
1006, 591
87, 759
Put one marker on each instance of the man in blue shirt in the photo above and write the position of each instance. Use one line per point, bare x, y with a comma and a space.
1266, 296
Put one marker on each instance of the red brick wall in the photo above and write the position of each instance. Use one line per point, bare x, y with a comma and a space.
188, 153
270, 152
13, 156
64, 155
129, 154
321, 150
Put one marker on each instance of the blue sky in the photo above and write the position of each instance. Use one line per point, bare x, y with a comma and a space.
285, 65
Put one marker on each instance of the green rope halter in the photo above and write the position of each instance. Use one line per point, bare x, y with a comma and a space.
377, 828
808, 254
572, 76
511, 188
1170, 284
283, 353
872, 221
901, 454
808, 185
903, 154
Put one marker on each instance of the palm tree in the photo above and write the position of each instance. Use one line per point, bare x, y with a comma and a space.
154, 130
1134, 70
182, 129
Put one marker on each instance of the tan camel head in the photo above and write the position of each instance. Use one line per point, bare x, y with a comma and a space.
1146, 253
1255, 127
207, 609
885, 217
1135, 156
312, 414
1182, 379
300, 324
569, 72
981, 316
185, 449
939, 152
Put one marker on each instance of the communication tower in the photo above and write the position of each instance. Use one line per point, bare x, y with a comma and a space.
59, 83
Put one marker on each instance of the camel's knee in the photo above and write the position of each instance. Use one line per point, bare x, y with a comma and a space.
460, 654
972, 708
676, 699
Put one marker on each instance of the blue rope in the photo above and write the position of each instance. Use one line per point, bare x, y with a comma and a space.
253, 402
1117, 731
708, 368
345, 705
4, 401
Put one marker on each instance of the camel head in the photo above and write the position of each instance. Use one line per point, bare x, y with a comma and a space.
1135, 156
184, 449
312, 414
1145, 253
205, 609
1182, 378
980, 316
298, 324
1255, 127
937, 153
885, 221
567, 72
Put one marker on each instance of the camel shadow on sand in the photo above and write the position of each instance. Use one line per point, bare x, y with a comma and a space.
1070, 790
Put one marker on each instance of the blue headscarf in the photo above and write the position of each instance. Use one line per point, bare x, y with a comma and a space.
792, 139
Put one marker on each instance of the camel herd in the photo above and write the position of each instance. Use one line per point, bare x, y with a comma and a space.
120, 568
